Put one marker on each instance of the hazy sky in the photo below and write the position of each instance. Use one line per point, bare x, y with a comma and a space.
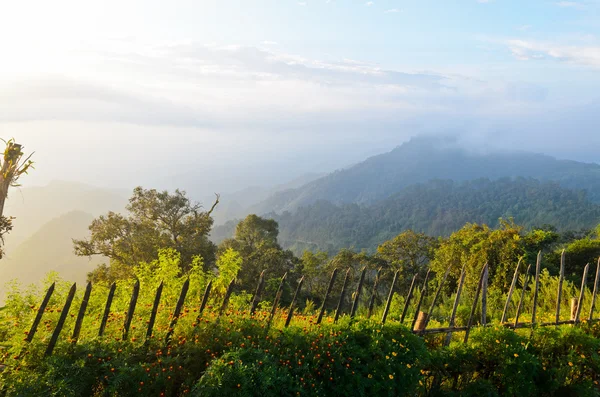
230, 93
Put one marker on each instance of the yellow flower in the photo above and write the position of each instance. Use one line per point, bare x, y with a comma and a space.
394, 340
391, 376
570, 364
387, 357
370, 376
497, 341
516, 355
583, 356
408, 366
394, 354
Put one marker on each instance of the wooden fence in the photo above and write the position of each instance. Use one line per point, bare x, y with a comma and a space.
419, 322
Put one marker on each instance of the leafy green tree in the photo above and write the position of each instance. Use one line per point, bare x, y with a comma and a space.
155, 220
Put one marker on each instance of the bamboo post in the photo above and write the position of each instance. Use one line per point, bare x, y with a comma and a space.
276, 301
435, 298
178, 308
291, 311
580, 302
329, 288
423, 293
475, 301
358, 291
259, 287
131, 310
154, 311
537, 287
455, 306
510, 293
81, 314
389, 299
561, 278
61, 321
484, 290
373, 294
408, 298
338, 311
522, 296
40, 313
204, 300
591, 317
109, 299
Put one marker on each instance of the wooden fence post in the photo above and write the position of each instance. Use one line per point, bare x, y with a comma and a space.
276, 301
259, 287
226, 298
591, 317
484, 290
61, 321
389, 299
81, 314
131, 310
372, 300
475, 301
463, 273
537, 287
358, 291
435, 298
154, 311
561, 278
423, 293
178, 308
204, 300
518, 313
342, 296
291, 311
109, 299
580, 302
510, 292
40, 313
408, 298
329, 288
573, 308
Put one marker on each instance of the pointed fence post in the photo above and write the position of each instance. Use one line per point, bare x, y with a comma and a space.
484, 290
561, 278
423, 293
204, 300
526, 281
372, 300
390, 297
475, 301
435, 297
81, 314
358, 291
109, 299
178, 308
259, 288
580, 302
292, 305
342, 296
154, 311
276, 302
131, 310
40, 313
463, 273
61, 321
329, 288
408, 298
537, 287
510, 293
591, 317
226, 299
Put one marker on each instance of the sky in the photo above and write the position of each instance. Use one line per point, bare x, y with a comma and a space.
226, 94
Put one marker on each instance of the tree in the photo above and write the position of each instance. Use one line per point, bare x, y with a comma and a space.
12, 168
155, 220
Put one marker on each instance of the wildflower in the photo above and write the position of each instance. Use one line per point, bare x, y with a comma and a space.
370, 376
516, 355
394, 354
570, 364
408, 366
391, 376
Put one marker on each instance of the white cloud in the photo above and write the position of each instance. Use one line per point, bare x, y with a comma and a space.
268, 42
579, 55
392, 10
369, 3
570, 4
302, 3
524, 28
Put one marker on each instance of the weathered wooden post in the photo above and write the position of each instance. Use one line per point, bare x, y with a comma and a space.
580, 302
204, 300
329, 288
61, 321
40, 313
475, 301
389, 299
358, 291
373, 294
154, 312
81, 314
591, 317
292, 305
408, 298
276, 301
338, 311
573, 309
226, 299
561, 278
537, 287
520, 305
435, 298
421, 297
463, 273
484, 289
178, 308
109, 299
131, 310
510, 293
259, 287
